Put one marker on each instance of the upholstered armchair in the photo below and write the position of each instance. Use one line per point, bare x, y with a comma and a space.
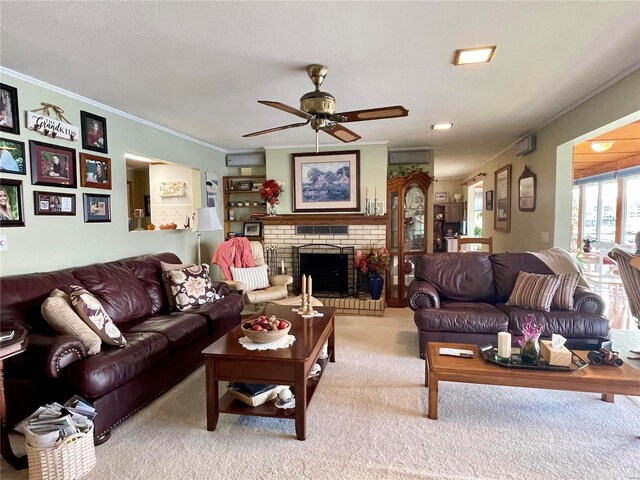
255, 284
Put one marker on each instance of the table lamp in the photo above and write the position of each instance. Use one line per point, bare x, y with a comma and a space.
206, 221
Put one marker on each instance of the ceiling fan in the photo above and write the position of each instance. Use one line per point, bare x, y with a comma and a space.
318, 109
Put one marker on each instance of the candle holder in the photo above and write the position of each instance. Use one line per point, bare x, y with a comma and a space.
306, 310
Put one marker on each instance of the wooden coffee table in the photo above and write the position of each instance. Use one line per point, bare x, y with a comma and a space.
227, 360
606, 380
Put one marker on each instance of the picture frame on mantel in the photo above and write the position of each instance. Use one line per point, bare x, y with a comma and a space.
502, 185
326, 182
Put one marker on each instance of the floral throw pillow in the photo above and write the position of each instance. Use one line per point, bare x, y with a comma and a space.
91, 311
191, 287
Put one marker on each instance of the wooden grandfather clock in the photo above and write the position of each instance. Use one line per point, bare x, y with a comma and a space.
406, 232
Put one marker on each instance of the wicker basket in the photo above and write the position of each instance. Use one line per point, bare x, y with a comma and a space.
256, 400
71, 459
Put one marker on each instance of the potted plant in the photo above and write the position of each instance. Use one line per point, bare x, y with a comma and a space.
375, 264
587, 244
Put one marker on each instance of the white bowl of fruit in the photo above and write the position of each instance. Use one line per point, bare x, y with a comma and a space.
265, 329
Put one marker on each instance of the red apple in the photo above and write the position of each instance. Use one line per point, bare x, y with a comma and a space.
282, 325
257, 328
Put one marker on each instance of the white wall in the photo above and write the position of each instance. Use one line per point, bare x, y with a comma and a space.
49, 243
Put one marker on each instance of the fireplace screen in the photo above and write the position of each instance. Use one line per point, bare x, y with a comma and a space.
331, 267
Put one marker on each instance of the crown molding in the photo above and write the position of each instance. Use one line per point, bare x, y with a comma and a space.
75, 96
324, 145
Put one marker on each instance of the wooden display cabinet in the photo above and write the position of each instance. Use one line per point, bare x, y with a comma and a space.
406, 234
242, 199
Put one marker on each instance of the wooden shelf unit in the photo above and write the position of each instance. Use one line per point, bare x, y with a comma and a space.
233, 195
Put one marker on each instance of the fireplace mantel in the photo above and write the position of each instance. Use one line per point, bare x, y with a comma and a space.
325, 219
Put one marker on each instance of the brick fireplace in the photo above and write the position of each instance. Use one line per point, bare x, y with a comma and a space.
341, 230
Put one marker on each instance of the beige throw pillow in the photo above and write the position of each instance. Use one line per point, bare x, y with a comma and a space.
254, 278
166, 268
534, 291
91, 311
59, 313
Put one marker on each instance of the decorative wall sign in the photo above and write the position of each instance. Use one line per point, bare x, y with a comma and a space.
50, 127
173, 189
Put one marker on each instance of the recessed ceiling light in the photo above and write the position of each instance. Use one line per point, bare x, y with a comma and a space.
441, 126
465, 56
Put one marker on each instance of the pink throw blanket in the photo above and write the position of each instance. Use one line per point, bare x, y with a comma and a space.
235, 252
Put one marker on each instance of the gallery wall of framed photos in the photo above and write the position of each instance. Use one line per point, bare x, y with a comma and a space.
73, 192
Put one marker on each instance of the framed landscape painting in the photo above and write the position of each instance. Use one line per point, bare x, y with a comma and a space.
326, 182
52, 165
502, 217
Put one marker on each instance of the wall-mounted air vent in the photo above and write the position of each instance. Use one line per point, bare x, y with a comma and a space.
322, 229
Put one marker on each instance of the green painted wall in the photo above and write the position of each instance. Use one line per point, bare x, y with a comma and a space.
373, 171
50, 243
551, 162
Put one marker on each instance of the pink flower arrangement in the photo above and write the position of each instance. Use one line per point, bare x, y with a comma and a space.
271, 190
530, 330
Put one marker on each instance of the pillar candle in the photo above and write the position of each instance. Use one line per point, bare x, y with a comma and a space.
310, 285
282, 266
304, 284
504, 344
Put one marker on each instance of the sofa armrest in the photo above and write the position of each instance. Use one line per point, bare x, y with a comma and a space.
422, 294
50, 354
280, 280
584, 300
235, 286
222, 288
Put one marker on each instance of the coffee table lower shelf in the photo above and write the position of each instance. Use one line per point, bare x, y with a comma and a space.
229, 404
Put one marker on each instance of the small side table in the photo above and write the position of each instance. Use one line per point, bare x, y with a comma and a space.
5, 446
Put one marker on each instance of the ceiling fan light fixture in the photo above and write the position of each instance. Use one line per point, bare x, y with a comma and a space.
466, 56
600, 147
442, 126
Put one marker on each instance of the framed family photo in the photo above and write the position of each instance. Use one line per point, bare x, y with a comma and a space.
54, 203
52, 165
11, 210
9, 112
12, 157
502, 217
326, 182
97, 207
94, 132
95, 172
252, 229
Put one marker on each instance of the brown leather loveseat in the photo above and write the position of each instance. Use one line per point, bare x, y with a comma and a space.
162, 346
460, 298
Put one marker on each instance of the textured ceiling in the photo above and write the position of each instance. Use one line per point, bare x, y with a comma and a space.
200, 67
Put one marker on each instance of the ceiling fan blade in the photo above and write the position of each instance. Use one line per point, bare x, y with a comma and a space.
343, 134
371, 114
286, 108
275, 129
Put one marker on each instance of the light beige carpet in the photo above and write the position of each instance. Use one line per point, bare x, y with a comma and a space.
367, 421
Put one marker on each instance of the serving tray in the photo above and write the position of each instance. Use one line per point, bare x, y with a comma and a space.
489, 353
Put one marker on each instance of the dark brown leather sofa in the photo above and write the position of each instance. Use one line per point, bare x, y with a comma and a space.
460, 298
162, 346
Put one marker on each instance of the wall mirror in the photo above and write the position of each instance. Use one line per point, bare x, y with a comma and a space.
160, 193
527, 191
